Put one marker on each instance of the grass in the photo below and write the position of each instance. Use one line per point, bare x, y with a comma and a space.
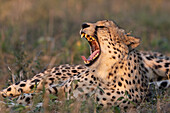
35, 35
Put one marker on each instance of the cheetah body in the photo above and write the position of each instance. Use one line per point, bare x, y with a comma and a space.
118, 75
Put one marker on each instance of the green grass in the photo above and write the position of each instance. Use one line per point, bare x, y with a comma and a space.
35, 35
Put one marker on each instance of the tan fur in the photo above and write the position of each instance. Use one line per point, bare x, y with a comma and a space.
118, 77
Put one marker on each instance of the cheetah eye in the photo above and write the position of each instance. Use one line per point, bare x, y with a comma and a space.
100, 27
97, 27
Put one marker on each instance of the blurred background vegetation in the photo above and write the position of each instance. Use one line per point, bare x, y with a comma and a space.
38, 34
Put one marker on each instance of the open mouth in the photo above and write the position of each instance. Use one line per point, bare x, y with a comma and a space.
94, 49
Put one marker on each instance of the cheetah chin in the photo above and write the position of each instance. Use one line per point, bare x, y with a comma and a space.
94, 48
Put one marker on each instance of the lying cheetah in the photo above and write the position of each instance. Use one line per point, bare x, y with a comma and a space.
115, 69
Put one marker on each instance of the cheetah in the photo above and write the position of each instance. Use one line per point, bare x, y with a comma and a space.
115, 72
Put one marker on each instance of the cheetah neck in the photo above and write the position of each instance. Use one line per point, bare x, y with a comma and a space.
102, 70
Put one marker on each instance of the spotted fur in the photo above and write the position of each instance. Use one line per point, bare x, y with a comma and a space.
118, 77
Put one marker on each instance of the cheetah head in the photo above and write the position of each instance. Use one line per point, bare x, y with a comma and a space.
107, 42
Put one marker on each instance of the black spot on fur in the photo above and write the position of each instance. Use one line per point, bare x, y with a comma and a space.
56, 91
163, 84
27, 99
17, 83
167, 64
126, 81
20, 90
54, 71
149, 58
142, 65
159, 61
110, 74
101, 92
32, 86
134, 67
138, 81
3, 95
80, 67
49, 91
109, 104
122, 79
9, 89
91, 82
157, 66
64, 70
70, 90
74, 71
22, 85
76, 86
51, 78
124, 101
97, 98
101, 105
67, 68
128, 75
108, 93
68, 74
125, 107
118, 92
57, 73
120, 84
87, 72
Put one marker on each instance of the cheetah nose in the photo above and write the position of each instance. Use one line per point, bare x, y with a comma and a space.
85, 25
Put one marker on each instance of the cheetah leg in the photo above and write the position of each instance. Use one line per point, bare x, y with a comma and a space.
56, 75
30, 86
27, 99
159, 64
161, 84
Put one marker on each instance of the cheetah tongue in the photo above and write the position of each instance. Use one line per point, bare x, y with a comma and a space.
91, 57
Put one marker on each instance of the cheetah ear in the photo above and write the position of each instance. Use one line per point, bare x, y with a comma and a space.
131, 41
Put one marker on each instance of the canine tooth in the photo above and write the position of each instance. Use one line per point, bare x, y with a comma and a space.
96, 55
86, 62
82, 35
86, 35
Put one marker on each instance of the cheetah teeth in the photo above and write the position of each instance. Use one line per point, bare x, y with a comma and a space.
95, 56
86, 62
88, 37
82, 35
